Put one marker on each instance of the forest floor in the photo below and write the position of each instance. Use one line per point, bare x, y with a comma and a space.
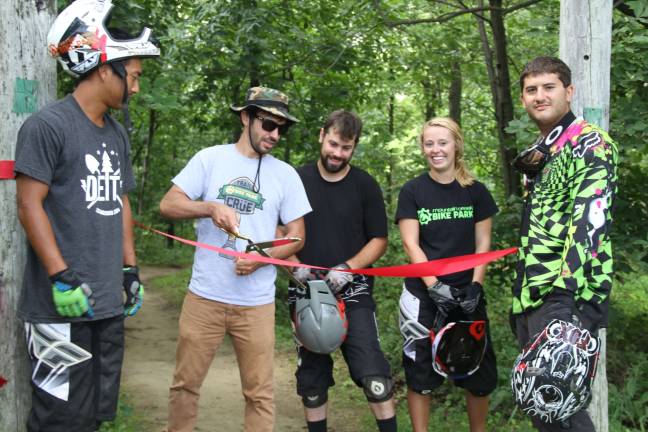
150, 360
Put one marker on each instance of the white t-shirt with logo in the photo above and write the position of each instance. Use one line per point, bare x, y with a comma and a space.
222, 174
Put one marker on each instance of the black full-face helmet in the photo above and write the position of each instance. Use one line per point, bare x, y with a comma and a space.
458, 348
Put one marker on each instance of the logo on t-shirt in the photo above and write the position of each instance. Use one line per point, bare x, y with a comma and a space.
102, 186
239, 194
425, 216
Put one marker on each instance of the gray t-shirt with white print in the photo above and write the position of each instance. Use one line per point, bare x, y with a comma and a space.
88, 170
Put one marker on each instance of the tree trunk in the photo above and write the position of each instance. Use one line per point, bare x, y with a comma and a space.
585, 45
430, 99
147, 159
389, 195
28, 81
454, 94
497, 66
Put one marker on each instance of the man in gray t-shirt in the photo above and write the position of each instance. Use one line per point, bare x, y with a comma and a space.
237, 187
73, 173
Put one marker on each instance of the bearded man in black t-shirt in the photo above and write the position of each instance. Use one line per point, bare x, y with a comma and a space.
347, 229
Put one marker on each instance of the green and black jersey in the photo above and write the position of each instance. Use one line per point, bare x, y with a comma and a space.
565, 241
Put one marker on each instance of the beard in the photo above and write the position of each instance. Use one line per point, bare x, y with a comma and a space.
255, 143
331, 167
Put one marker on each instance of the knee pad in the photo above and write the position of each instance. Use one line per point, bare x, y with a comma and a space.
378, 388
315, 400
480, 393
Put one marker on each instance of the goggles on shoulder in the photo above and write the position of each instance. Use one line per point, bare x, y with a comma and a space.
530, 161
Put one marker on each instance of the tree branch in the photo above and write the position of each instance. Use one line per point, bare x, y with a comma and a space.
524, 4
451, 15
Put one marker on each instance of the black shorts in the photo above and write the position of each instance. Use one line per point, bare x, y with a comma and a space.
361, 351
76, 370
417, 351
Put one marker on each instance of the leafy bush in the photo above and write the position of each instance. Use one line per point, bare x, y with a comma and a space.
127, 420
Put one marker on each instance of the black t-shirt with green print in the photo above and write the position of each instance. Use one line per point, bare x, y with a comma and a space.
447, 214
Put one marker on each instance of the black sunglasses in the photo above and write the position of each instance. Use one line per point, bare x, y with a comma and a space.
270, 125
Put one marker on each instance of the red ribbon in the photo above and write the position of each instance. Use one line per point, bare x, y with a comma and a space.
7, 170
438, 267
3, 381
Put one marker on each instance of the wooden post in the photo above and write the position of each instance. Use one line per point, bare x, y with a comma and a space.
27, 82
585, 45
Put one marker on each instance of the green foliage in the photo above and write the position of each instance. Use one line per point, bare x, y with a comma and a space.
628, 354
127, 419
172, 287
341, 54
153, 249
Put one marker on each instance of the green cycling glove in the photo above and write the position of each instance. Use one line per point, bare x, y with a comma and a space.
72, 298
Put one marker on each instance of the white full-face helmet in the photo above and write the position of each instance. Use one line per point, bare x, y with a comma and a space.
80, 40
552, 377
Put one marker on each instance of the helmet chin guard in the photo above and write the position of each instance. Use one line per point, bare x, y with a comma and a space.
552, 377
458, 348
320, 320
80, 40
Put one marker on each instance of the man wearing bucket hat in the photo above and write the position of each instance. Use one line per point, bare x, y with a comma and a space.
236, 187
73, 175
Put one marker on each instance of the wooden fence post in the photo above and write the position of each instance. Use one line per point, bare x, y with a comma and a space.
586, 45
27, 82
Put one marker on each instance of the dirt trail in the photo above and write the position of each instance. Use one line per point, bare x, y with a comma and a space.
150, 360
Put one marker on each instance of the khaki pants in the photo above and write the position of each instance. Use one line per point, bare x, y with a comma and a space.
203, 325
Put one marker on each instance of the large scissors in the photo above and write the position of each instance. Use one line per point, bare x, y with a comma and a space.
259, 247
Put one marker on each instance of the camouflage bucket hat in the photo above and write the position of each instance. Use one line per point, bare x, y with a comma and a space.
267, 99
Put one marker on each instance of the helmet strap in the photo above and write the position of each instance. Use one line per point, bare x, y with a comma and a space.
119, 68
257, 176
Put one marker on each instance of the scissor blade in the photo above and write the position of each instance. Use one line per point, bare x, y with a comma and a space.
273, 243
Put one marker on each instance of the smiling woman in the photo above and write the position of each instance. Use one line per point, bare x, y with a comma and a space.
442, 213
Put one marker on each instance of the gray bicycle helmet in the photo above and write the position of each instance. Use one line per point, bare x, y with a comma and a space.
320, 320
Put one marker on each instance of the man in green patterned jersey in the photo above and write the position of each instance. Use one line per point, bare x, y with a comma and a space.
564, 268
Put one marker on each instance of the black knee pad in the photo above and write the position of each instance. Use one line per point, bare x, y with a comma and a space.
315, 400
378, 388
480, 393
424, 392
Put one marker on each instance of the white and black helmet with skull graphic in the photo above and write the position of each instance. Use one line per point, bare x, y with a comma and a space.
551, 379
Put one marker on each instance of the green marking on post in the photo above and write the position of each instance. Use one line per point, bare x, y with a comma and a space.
25, 96
593, 115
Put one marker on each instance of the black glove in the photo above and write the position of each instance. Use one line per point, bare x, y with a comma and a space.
559, 304
590, 315
134, 290
443, 296
470, 297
